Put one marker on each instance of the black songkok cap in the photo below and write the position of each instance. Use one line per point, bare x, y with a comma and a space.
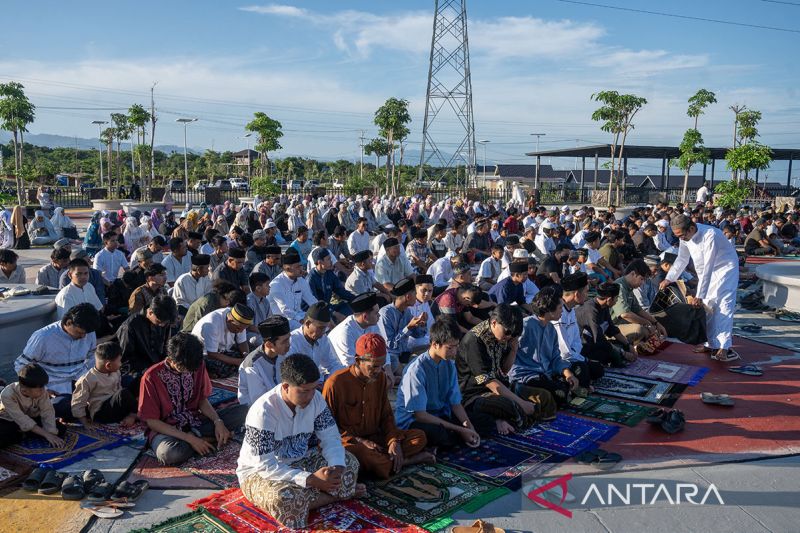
403, 287
364, 302
291, 257
319, 311
273, 327
201, 259
575, 282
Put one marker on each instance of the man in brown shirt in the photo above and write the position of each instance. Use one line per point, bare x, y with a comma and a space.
358, 399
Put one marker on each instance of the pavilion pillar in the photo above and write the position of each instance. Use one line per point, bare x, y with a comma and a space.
789, 174
536, 177
596, 169
583, 172
713, 162
704, 171
663, 169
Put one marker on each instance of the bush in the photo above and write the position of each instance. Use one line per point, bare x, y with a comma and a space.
264, 187
731, 195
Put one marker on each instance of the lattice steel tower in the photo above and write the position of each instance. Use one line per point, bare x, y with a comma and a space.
449, 92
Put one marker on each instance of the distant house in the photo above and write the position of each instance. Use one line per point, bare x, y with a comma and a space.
245, 157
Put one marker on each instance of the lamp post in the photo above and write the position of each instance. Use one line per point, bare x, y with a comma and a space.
484, 142
538, 158
185, 122
247, 136
100, 145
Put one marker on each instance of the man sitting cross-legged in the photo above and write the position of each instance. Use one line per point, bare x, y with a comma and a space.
358, 398
278, 470
429, 398
260, 370
173, 402
224, 337
484, 358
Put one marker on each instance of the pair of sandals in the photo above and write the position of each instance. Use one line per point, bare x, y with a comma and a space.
670, 420
599, 459
44, 481
717, 399
725, 357
747, 370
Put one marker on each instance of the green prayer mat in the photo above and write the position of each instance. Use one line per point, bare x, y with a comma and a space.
618, 411
197, 521
427, 495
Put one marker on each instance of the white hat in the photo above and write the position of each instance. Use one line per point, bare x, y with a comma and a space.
548, 225
270, 224
520, 253
663, 223
565, 207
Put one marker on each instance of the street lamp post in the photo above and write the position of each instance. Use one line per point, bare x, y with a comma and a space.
247, 136
185, 122
538, 158
100, 145
484, 142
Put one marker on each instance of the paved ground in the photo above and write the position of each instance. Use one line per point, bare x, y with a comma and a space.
758, 490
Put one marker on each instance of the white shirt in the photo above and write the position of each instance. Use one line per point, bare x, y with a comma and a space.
64, 359
275, 437
72, 295
592, 256
544, 244
715, 261
490, 269
176, 268
442, 271
110, 263
358, 242
702, 194
321, 352
187, 289
569, 336
213, 331
344, 336
286, 296
579, 239
257, 375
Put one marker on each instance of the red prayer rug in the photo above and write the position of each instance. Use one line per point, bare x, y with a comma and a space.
236, 511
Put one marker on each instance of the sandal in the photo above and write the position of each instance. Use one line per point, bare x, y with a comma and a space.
701, 349
101, 492
73, 488
726, 357
716, 399
674, 422
31, 484
92, 478
749, 328
747, 370
478, 526
130, 492
52, 482
599, 458
105, 512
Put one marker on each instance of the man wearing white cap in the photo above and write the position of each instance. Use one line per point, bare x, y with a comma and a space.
544, 241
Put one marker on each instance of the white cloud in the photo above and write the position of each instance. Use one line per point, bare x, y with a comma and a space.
277, 9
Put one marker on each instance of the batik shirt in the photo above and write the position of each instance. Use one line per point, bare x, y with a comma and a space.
478, 361
275, 438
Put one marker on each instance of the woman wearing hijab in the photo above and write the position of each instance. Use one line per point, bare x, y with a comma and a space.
93, 241
40, 230
169, 224
6, 229
19, 224
252, 222
167, 201
146, 225
156, 220
221, 225
313, 220
63, 225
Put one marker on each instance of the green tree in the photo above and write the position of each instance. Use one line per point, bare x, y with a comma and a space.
122, 132
616, 114
268, 131
747, 154
16, 112
692, 150
138, 117
107, 138
392, 119
377, 147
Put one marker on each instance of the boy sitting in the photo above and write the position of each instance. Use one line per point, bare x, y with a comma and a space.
25, 406
100, 391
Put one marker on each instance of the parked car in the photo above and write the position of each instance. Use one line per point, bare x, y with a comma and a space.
311, 184
240, 184
200, 185
224, 185
176, 186
337, 184
295, 185
280, 182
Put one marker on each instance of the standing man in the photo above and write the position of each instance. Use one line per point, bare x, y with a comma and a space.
717, 267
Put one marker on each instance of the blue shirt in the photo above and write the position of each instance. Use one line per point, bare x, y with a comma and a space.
538, 352
393, 325
303, 248
427, 385
507, 292
326, 284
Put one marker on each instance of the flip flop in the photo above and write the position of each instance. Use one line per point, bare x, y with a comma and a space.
52, 482
130, 492
92, 478
701, 349
599, 458
115, 505
31, 484
747, 370
478, 526
101, 492
73, 488
716, 399
105, 512
726, 357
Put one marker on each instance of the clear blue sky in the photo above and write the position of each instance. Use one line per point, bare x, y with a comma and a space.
322, 68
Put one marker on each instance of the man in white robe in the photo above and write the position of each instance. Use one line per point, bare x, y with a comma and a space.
717, 267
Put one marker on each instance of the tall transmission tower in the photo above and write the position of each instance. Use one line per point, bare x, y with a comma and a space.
449, 94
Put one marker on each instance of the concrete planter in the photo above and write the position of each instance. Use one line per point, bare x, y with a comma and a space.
130, 207
109, 205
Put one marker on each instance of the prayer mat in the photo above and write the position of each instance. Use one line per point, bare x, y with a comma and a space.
134, 433
427, 495
220, 395
218, 468
79, 442
166, 477
566, 435
618, 411
639, 389
234, 509
501, 462
663, 371
231, 383
199, 520
13, 472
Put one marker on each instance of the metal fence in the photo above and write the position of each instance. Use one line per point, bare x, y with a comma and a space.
70, 197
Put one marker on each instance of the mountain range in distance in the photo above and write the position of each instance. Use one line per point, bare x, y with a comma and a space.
62, 141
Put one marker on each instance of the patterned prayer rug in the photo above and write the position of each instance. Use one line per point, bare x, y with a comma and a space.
234, 509
231, 383
219, 468
221, 395
198, 520
134, 433
566, 435
166, 477
79, 443
428, 494
501, 462
639, 389
663, 371
618, 411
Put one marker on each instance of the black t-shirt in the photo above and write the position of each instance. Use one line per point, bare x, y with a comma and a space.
550, 265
